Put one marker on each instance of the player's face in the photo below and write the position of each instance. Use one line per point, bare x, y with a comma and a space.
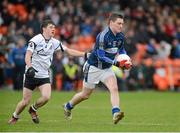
50, 30
117, 25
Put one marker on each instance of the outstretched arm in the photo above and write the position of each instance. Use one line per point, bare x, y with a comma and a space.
70, 51
73, 52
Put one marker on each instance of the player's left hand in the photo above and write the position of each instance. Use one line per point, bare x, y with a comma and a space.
31, 72
128, 65
122, 63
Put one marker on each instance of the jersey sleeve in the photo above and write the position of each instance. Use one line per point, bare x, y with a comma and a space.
33, 43
101, 56
31, 46
59, 46
101, 40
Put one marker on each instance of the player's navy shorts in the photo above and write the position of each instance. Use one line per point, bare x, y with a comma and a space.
32, 83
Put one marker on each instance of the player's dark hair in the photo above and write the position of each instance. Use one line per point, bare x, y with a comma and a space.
45, 23
114, 16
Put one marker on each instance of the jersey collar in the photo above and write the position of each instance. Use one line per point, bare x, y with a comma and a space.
113, 33
46, 40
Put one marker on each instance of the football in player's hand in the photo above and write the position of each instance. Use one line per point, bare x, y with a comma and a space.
125, 61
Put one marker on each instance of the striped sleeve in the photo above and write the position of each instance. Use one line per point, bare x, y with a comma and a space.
31, 46
59, 46
101, 39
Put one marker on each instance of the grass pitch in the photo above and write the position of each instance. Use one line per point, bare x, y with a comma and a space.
144, 112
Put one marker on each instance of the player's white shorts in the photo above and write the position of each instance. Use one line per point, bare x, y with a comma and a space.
93, 75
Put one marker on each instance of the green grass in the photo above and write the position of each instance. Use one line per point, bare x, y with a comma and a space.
144, 112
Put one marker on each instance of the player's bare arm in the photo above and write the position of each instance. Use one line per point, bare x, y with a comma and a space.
28, 58
73, 52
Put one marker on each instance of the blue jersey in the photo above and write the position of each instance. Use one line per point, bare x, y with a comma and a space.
17, 56
107, 46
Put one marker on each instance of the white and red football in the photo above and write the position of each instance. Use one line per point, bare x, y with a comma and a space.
122, 57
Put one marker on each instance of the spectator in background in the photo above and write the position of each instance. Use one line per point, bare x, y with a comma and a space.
16, 59
28, 34
135, 79
151, 47
70, 75
87, 27
163, 51
148, 72
175, 50
2, 62
57, 67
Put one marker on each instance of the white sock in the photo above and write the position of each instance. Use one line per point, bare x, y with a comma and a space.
33, 108
15, 115
116, 107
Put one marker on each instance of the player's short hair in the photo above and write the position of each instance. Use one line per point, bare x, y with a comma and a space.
45, 23
114, 16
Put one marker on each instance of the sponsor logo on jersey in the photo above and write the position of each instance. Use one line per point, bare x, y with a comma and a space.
112, 50
31, 44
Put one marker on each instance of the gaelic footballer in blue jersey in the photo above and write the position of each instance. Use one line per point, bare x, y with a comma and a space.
107, 46
109, 43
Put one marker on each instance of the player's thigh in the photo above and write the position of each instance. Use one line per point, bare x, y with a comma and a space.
111, 83
91, 74
45, 90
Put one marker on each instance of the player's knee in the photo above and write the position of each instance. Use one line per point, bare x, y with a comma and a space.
46, 98
85, 96
26, 101
114, 89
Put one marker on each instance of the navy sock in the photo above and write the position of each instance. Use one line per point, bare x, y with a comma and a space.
115, 110
69, 106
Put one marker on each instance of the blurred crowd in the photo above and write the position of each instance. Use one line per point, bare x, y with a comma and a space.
152, 31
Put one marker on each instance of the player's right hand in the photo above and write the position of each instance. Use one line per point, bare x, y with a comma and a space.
120, 63
31, 72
